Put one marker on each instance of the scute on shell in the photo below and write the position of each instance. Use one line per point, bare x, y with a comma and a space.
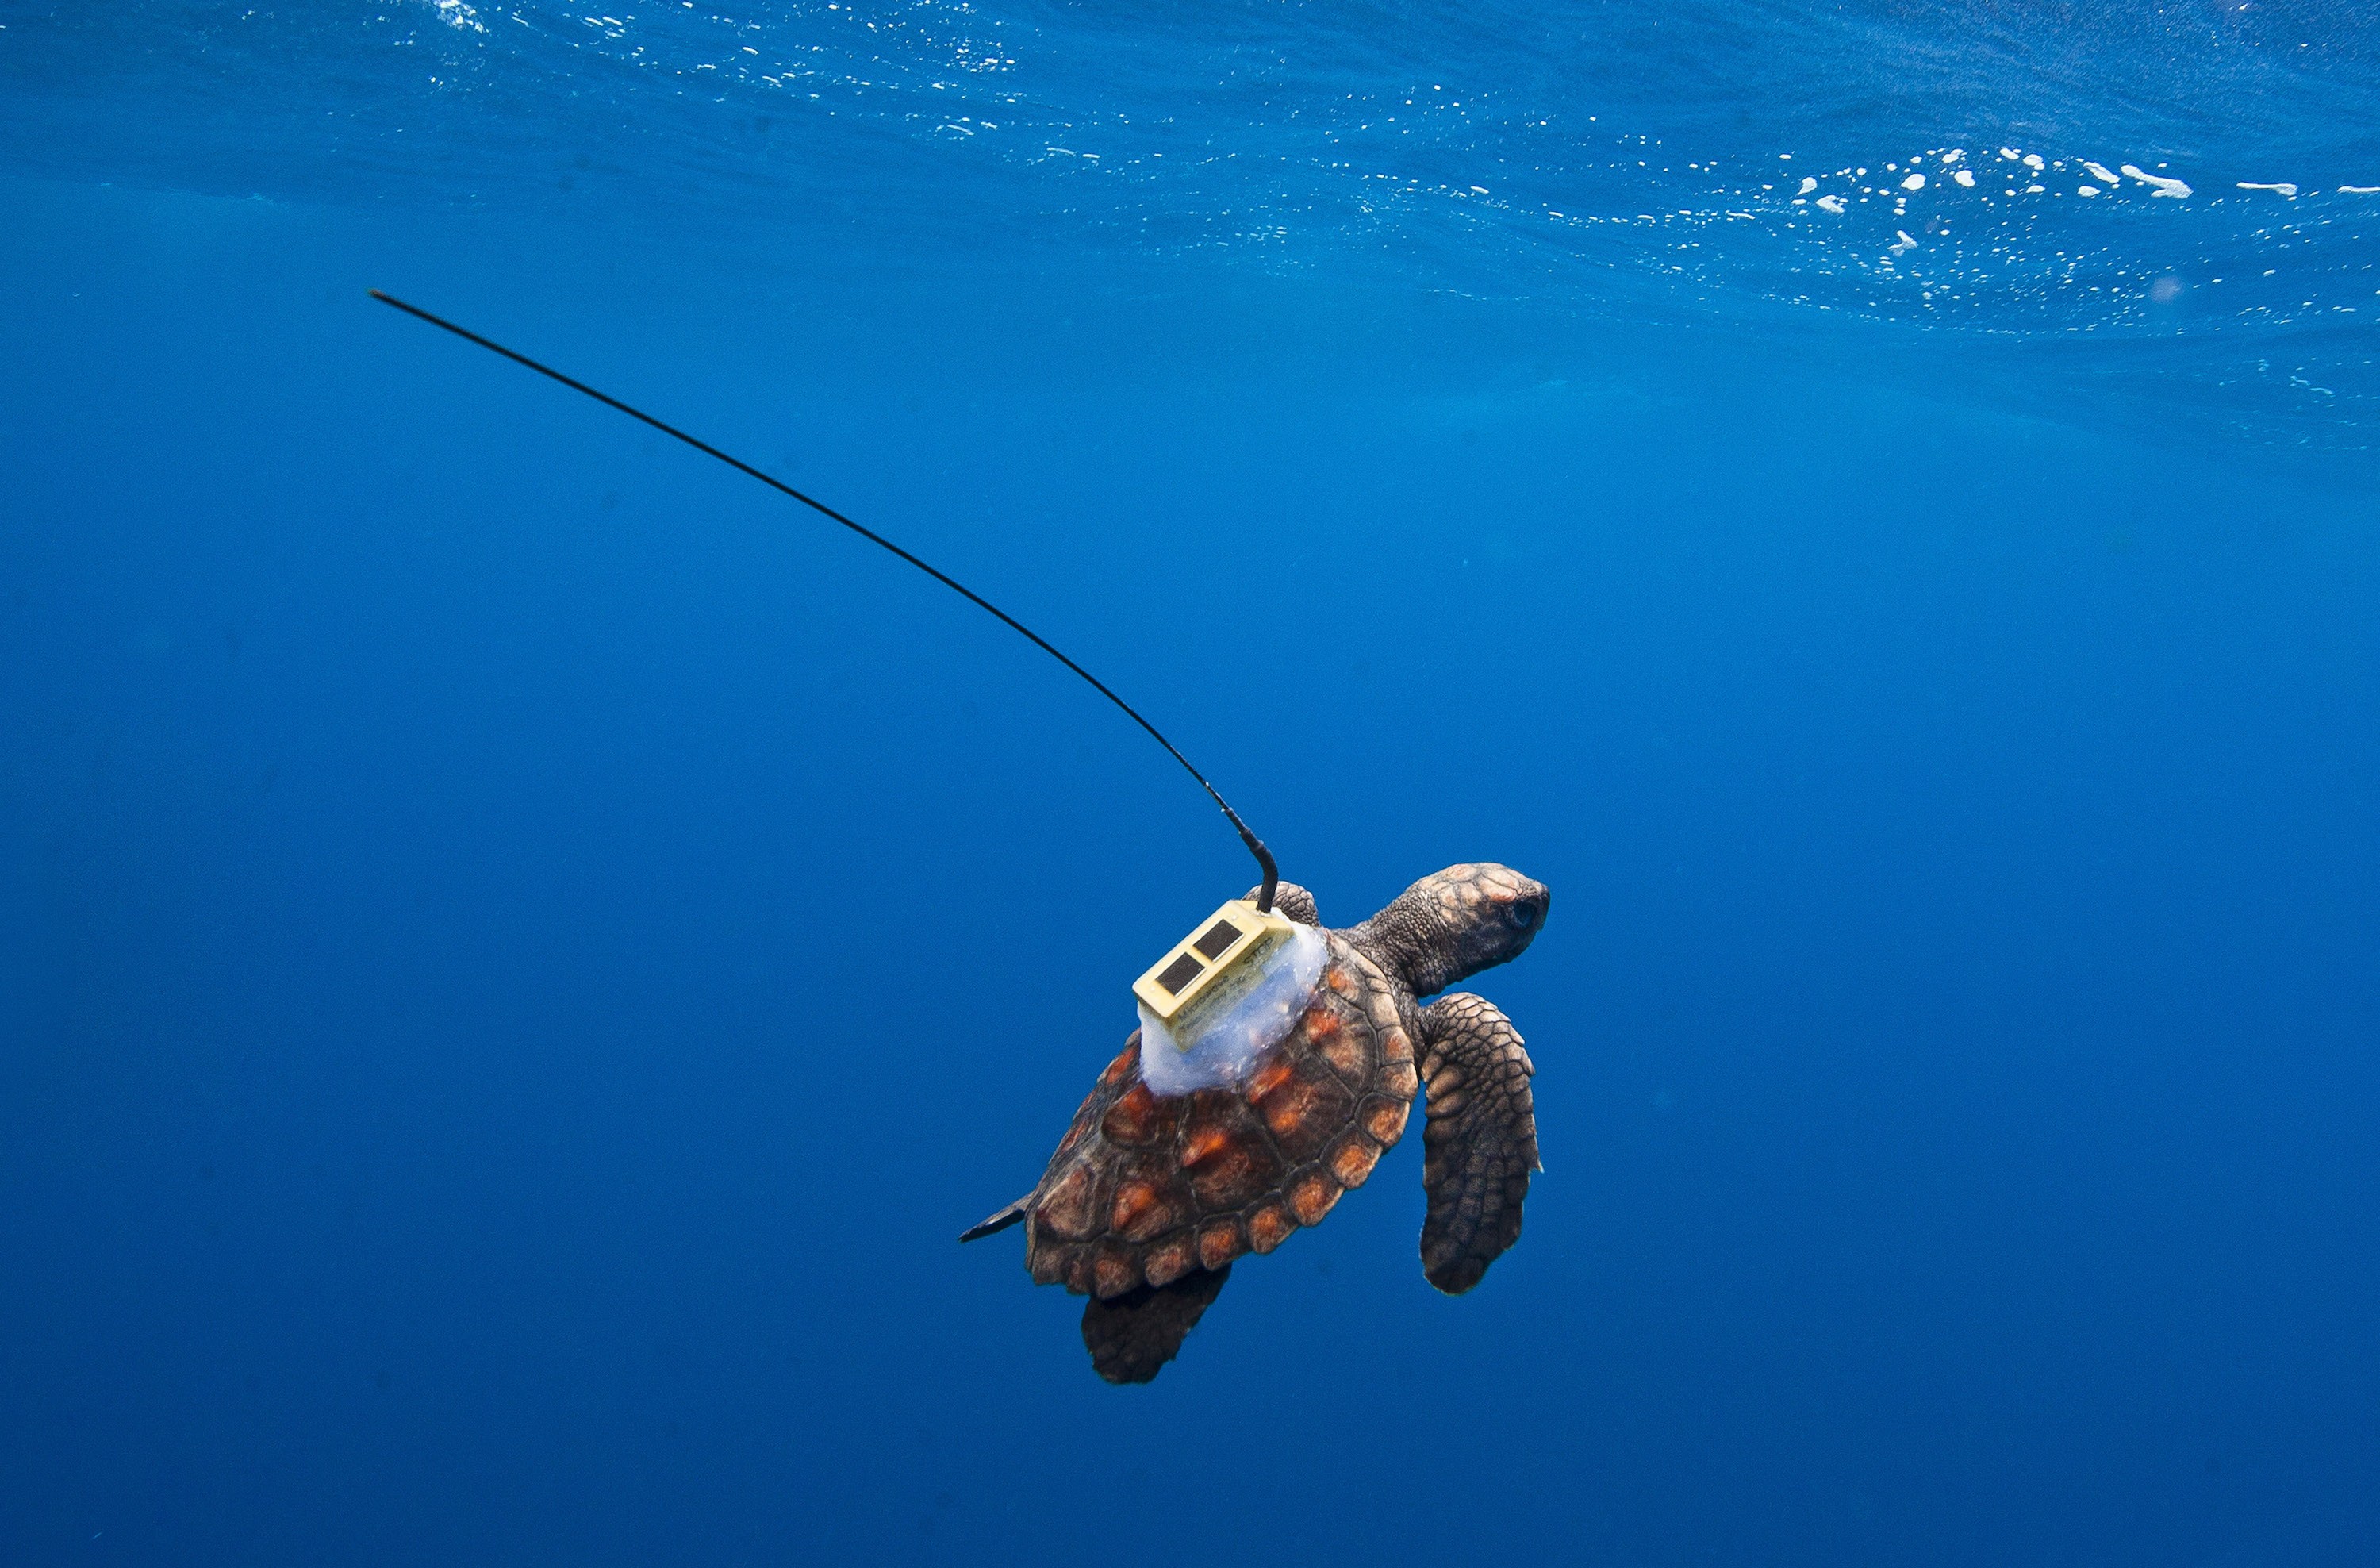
1144, 1190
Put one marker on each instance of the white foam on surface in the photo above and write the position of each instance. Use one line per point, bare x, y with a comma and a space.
2283, 188
2159, 184
2100, 172
1218, 1039
1831, 203
1964, 176
1914, 182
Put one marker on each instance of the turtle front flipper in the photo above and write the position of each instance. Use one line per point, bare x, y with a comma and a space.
1480, 1141
1131, 1335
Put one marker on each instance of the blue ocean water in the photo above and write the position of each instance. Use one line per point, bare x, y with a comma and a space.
520, 949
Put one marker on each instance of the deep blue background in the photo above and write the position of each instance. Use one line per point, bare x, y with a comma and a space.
518, 950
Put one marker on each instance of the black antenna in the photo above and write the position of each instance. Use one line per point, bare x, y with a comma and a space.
1256, 845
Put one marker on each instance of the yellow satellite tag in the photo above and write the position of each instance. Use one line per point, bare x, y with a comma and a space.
1221, 946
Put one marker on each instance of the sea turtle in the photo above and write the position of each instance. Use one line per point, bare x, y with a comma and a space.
1151, 1197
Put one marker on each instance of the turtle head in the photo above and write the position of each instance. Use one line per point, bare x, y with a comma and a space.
1450, 926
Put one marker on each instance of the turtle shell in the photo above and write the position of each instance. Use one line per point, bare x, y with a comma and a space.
1144, 1189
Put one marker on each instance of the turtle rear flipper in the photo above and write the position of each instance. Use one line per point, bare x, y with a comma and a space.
1133, 1335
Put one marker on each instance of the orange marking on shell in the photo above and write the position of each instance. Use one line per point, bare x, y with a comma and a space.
1268, 1078
1132, 1119
1114, 1273
1171, 1261
1313, 1197
1286, 1115
1204, 1144
1399, 1079
1352, 1160
1321, 1022
1126, 1059
1132, 1200
1306, 1114
1219, 1242
1268, 1227
1345, 1054
1386, 1121
1397, 1046
1238, 1171
1067, 1210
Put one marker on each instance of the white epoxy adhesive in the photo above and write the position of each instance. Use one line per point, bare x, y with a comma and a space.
1217, 1040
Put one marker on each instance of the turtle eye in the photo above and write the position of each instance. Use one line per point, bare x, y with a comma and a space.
1523, 915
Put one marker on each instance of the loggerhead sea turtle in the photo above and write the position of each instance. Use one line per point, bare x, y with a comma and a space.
1149, 1199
